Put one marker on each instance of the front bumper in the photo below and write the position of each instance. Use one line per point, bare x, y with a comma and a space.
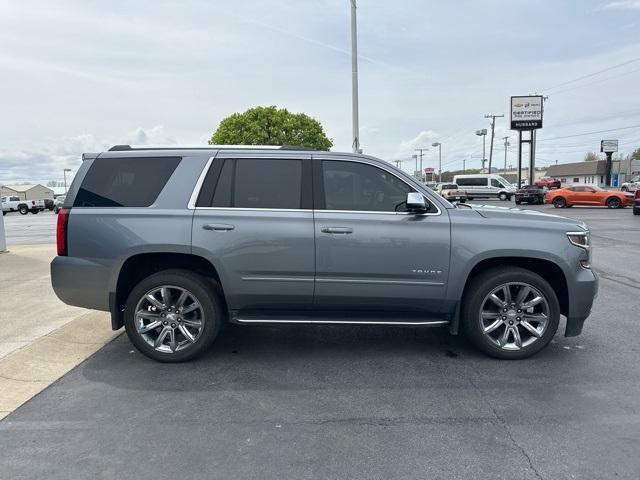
582, 292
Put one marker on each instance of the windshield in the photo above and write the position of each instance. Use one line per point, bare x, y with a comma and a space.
504, 182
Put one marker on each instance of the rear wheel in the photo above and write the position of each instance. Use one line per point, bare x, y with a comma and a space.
23, 209
173, 316
510, 313
503, 196
559, 202
613, 202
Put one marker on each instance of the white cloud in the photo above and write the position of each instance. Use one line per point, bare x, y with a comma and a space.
47, 163
424, 139
622, 5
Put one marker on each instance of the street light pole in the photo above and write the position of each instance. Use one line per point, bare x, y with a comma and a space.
506, 144
64, 174
439, 145
483, 133
354, 80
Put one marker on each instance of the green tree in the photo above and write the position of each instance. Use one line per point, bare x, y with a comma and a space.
591, 157
271, 126
636, 154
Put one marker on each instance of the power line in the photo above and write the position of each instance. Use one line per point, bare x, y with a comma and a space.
592, 74
589, 133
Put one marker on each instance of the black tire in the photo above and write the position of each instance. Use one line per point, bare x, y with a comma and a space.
23, 209
35, 211
469, 198
203, 291
4, 213
636, 210
624, 189
481, 286
518, 202
613, 202
503, 196
559, 202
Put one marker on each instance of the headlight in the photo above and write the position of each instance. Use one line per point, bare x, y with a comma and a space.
579, 239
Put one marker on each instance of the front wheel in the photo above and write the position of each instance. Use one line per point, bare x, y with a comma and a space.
173, 316
613, 202
23, 209
510, 313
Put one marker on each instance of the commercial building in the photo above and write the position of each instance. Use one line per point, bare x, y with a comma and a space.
26, 191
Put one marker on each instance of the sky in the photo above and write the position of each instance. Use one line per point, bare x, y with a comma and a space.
80, 76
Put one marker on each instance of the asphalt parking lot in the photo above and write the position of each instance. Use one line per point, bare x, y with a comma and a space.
351, 402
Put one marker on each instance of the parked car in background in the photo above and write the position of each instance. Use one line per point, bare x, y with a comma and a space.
176, 242
548, 182
49, 203
636, 202
58, 203
483, 185
530, 194
452, 192
15, 204
632, 185
588, 195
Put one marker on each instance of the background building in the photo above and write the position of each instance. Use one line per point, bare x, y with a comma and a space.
27, 191
583, 173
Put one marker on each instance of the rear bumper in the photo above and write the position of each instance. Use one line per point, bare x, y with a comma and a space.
81, 282
582, 292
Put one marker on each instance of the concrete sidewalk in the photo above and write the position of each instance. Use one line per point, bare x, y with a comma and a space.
41, 338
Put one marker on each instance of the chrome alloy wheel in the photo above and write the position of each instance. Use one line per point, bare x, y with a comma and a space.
514, 315
169, 318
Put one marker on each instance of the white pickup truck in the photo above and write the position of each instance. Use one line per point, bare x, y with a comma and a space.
632, 185
14, 204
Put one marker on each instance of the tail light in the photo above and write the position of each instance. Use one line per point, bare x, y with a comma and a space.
61, 231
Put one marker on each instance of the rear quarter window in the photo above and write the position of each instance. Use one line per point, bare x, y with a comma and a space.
125, 182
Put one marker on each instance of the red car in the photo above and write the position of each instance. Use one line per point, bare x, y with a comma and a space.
588, 195
547, 182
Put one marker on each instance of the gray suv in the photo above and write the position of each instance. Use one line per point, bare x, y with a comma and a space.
175, 242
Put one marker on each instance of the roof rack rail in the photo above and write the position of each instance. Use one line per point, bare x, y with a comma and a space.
123, 148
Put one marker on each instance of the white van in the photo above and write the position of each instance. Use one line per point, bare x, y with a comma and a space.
485, 185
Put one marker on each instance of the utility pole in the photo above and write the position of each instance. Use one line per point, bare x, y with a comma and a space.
464, 165
506, 144
354, 80
493, 127
421, 150
415, 172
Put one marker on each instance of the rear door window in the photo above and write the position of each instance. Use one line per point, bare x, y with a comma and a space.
258, 183
125, 182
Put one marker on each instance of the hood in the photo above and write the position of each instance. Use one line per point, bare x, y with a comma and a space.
512, 213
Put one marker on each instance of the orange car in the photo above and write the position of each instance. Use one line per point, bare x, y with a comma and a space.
587, 195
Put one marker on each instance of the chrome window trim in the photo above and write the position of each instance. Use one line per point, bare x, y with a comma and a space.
198, 186
196, 192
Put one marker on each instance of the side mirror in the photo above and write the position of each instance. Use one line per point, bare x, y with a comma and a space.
415, 202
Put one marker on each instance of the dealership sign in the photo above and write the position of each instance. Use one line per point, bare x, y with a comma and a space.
428, 170
526, 112
608, 146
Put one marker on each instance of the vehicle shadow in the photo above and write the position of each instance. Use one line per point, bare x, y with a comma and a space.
303, 357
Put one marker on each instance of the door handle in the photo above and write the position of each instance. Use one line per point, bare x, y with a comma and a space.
218, 227
338, 230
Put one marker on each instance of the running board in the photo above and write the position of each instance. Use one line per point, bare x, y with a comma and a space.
329, 320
